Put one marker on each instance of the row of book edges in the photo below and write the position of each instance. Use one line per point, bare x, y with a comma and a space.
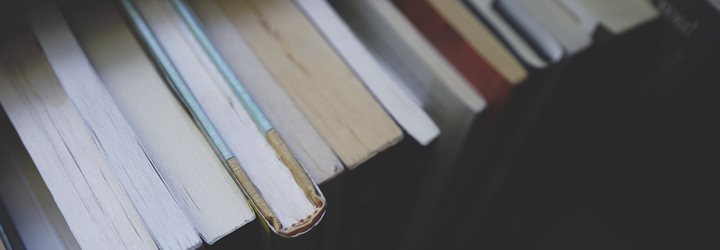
169, 123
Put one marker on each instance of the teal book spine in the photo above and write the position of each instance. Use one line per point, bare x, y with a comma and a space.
175, 79
235, 84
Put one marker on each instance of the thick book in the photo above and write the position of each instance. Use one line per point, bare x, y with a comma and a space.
303, 139
192, 171
277, 140
277, 186
388, 91
315, 77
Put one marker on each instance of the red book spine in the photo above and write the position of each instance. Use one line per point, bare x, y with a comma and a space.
473, 66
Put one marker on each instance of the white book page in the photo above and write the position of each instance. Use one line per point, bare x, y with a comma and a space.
187, 163
90, 197
120, 146
304, 141
253, 152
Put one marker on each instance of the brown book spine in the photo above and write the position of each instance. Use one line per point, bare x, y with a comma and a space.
450, 43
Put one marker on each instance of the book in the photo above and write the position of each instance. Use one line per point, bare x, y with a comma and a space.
29, 202
480, 38
279, 189
261, 121
533, 32
127, 156
485, 11
442, 91
615, 16
459, 52
446, 94
409, 57
315, 77
87, 191
504, 31
387, 90
188, 165
550, 25
304, 141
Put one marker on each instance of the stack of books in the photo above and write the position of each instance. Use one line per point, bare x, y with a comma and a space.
172, 123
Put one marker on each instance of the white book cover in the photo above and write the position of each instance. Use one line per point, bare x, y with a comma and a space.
386, 89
